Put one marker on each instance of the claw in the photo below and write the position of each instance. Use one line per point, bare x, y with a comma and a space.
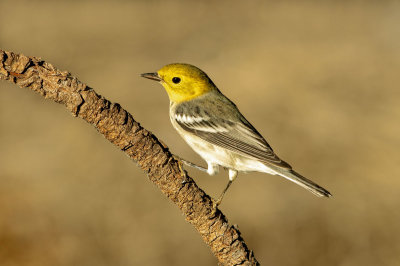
215, 205
183, 172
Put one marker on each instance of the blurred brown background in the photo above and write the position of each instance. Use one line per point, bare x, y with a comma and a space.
319, 79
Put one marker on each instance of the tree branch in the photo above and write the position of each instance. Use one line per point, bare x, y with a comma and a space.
119, 127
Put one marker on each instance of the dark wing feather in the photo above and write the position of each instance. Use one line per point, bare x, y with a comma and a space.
238, 136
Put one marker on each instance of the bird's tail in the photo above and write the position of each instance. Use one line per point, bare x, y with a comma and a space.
304, 182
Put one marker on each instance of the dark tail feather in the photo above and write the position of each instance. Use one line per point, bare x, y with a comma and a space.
305, 183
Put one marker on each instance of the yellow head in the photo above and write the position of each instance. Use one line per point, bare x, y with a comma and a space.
183, 82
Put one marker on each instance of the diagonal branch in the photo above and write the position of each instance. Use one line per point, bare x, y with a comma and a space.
119, 127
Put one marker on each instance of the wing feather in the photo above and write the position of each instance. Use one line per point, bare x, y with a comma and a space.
237, 135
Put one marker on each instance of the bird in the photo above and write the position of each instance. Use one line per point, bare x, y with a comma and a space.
213, 127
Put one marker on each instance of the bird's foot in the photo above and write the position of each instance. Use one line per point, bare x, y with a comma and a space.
180, 165
215, 204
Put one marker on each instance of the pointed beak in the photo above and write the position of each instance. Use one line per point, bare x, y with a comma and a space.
153, 76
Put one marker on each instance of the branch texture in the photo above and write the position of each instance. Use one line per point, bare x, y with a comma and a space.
152, 156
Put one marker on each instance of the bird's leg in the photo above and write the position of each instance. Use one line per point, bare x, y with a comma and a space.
191, 164
232, 176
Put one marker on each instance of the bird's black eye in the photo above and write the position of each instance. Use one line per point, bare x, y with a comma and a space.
176, 80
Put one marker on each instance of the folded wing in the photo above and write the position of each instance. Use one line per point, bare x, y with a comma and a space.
233, 133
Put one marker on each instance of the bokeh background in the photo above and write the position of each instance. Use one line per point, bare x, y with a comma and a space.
319, 79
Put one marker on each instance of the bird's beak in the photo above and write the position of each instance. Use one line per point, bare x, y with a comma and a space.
153, 76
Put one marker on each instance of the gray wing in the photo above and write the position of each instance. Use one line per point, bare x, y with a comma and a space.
234, 133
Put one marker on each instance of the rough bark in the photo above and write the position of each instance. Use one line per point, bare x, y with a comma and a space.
151, 155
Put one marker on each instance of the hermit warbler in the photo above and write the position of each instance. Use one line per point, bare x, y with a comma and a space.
213, 126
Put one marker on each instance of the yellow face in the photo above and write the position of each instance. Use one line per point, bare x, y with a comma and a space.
184, 82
